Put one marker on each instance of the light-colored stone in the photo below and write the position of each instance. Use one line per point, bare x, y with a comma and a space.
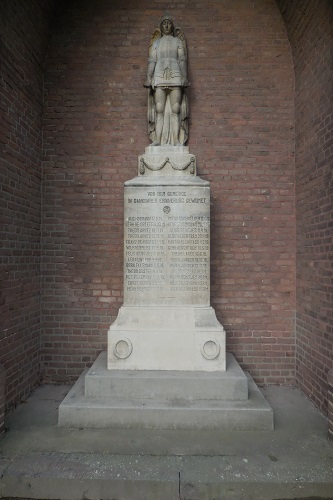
166, 322
166, 245
167, 83
142, 399
166, 362
78, 411
166, 338
173, 161
231, 384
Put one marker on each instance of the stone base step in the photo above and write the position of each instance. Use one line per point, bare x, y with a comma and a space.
77, 411
166, 384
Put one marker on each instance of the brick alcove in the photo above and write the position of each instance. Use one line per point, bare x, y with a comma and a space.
72, 124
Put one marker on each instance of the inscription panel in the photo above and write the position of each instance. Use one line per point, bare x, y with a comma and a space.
167, 245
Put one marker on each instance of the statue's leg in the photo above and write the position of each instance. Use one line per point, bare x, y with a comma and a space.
175, 101
160, 99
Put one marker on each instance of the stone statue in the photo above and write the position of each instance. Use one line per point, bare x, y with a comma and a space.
167, 83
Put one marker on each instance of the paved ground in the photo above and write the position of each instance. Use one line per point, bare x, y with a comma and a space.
39, 460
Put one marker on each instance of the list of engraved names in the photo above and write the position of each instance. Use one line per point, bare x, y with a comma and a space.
166, 241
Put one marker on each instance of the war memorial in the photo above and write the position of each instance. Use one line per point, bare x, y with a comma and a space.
166, 250
166, 366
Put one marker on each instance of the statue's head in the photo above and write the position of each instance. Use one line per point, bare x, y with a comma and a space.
166, 25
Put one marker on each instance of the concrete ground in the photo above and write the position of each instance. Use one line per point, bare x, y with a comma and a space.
40, 460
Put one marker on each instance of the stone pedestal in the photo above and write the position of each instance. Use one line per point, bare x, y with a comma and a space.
166, 322
166, 365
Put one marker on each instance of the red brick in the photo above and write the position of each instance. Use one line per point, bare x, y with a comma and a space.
330, 403
24, 27
309, 26
64, 290
2, 399
94, 128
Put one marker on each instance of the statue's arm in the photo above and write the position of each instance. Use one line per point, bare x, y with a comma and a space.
182, 55
150, 69
182, 58
152, 57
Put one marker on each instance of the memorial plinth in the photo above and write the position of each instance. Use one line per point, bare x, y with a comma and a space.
166, 322
166, 365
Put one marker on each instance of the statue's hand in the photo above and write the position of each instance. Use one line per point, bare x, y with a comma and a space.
185, 82
147, 83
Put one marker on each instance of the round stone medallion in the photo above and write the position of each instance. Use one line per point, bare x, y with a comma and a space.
210, 349
123, 348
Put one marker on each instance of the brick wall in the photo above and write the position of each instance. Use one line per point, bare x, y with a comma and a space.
23, 29
2, 399
241, 130
310, 28
242, 133
330, 403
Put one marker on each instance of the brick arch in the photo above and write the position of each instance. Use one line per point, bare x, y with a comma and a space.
309, 27
234, 38
241, 130
24, 28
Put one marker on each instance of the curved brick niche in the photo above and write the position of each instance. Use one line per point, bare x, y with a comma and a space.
330, 404
2, 399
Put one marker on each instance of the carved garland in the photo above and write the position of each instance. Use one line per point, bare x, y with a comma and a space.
144, 163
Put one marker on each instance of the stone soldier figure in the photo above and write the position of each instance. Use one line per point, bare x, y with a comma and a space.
167, 83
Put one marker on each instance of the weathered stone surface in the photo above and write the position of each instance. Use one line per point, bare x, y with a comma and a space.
231, 384
167, 161
166, 338
167, 245
166, 322
166, 362
78, 411
167, 81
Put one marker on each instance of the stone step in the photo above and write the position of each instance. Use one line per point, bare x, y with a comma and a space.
77, 411
166, 384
